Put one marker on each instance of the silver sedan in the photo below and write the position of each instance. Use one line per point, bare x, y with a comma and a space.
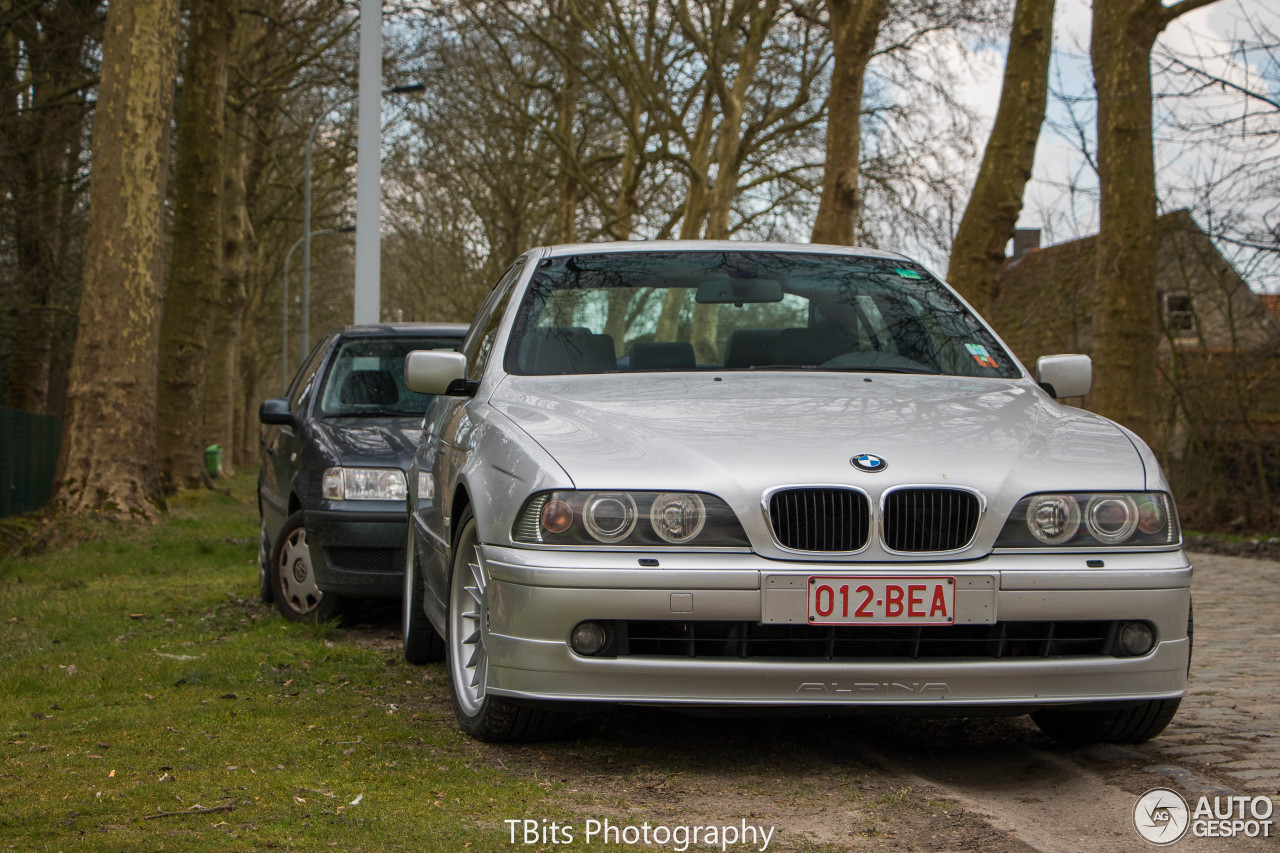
741, 474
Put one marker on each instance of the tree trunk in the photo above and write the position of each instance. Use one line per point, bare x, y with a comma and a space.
854, 28
192, 299
698, 200
633, 164
977, 254
44, 51
1126, 325
108, 448
567, 185
237, 252
733, 104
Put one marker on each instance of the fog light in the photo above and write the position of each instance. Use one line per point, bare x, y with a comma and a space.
588, 638
1136, 638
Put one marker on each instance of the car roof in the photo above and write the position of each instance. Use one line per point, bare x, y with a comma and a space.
400, 330
716, 246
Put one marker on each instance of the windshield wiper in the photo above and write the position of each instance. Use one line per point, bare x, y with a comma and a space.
375, 413
820, 368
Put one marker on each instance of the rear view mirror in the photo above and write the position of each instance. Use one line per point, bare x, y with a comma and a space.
435, 372
1065, 375
737, 291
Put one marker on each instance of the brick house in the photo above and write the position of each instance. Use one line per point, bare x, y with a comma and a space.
1044, 298
1219, 358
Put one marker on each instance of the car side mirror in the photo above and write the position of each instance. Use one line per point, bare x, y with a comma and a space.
275, 412
1065, 375
438, 372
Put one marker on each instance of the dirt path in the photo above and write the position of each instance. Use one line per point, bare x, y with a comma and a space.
875, 783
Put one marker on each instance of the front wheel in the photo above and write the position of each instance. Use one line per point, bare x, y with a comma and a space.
293, 577
1129, 724
481, 715
421, 642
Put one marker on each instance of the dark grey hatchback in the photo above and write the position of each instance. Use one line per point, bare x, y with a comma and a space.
331, 488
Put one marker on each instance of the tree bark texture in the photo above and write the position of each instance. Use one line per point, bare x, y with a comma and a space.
1126, 325
193, 298
855, 24
108, 448
977, 254
733, 106
237, 253
568, 189
44, 74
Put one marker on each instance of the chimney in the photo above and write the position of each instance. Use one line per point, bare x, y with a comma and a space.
1025, 240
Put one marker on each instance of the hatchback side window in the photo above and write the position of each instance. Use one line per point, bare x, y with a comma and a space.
300, 393
484, 333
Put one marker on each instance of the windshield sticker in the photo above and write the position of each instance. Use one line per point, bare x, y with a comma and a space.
980, 355
904, 273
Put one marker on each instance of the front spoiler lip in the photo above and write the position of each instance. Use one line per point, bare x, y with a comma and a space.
938, 683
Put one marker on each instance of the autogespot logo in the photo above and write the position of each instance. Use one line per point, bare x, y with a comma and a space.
868, 462
1161, 816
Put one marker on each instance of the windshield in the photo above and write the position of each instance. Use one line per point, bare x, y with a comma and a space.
366, 378
685, 311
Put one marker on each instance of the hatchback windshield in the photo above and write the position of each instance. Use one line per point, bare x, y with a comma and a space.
366, 378
682, 311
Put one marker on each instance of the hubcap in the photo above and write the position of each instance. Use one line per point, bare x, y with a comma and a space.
466, 632
297, 581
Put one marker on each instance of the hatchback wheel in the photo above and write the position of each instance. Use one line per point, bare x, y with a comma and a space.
421, 642
293, 581
264, 564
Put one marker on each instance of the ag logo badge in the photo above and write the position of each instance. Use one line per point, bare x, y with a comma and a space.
1161, 816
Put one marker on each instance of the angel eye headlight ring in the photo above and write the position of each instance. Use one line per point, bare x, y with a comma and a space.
610, 516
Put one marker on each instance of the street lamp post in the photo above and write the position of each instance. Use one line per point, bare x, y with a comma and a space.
284, 308
407, 89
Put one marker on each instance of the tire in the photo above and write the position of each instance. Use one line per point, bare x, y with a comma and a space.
421, 642
264, 562
1129, 724
496, 719
293, 577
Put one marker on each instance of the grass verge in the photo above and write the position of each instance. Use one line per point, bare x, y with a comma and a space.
148, 700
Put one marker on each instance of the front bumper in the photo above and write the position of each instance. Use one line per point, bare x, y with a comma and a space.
537, 597
357, 548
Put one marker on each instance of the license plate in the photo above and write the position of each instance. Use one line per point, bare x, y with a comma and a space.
882, 600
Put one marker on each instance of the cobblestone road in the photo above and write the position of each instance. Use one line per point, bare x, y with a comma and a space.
1229, 725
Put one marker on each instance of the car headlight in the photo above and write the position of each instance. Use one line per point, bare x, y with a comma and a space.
364, 484
1091, 520
630, 519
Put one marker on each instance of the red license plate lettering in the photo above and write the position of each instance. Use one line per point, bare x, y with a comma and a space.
882, 600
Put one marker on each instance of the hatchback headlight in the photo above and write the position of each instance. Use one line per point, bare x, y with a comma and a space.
634, 519
1091, 520
364, 484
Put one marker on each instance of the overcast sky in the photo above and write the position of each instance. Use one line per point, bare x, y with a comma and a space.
1061, 199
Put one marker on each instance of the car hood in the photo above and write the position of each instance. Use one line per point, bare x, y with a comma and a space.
740, 434
386, 442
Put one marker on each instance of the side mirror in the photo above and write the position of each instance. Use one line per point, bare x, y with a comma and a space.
275, 412
437, 372
1065, 375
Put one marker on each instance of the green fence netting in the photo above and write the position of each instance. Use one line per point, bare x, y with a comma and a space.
28, 460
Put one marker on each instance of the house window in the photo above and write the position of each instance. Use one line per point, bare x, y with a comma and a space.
1178, 316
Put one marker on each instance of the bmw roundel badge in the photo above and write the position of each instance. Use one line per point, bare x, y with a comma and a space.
868, 462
